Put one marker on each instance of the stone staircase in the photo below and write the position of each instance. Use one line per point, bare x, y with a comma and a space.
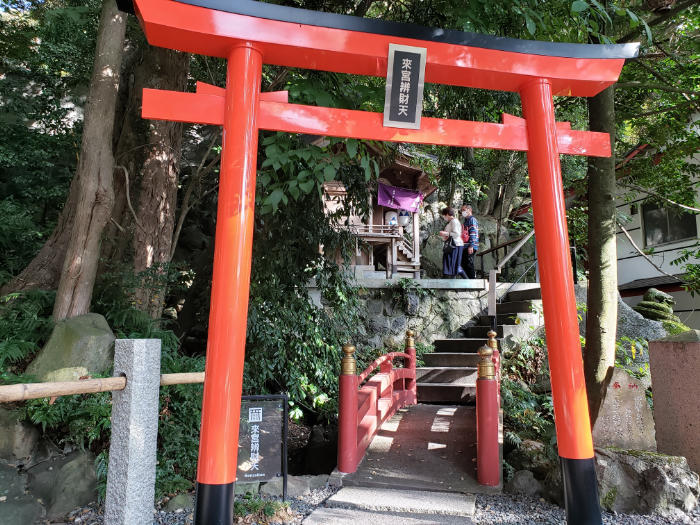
450, 372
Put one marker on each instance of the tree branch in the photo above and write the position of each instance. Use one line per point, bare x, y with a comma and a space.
659, 76
651, 86
128, 198
634, 245
186, 206
681, 6
644, 190
658, 111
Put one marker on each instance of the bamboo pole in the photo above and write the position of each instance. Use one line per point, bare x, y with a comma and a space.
24, 391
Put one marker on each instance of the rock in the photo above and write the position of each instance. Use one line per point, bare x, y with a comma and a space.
657, 296
412, 304
18, 439
296, 487
85, 341
181, 501
629, 323
64, 483
73, 373
245, 488
625, 419
641, 482
322, 450
16, 507
524, 482
655, 311
20, 510
532, 456
316, 482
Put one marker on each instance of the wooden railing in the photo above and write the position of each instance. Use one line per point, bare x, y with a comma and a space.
388, 230
24, 391
366, 401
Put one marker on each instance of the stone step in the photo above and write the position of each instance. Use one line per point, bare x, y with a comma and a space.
512, 307
339, 516
446, 393
459, 345
530, 319
479, 332
404, 501
455, 375
524, 295
440, 359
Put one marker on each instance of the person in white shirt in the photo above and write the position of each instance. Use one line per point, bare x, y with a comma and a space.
453, 246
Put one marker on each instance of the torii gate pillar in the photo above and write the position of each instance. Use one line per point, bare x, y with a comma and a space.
228, 317
574, 440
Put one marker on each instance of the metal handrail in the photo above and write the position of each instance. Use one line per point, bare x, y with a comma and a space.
492, 301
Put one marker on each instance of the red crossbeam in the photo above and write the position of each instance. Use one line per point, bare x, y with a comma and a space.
207, 107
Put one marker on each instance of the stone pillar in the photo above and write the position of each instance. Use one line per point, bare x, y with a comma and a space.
675, 366
132, 452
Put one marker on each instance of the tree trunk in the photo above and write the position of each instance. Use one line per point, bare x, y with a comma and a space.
601, 321
95, 190
157, 200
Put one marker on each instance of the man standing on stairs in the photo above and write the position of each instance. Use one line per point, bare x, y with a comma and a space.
470, 235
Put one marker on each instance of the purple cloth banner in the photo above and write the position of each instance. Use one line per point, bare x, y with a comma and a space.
398, 198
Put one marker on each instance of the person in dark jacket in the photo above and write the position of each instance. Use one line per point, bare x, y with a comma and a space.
471, 244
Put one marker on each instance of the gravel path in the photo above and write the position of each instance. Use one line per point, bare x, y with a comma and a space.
504, 509
521, 510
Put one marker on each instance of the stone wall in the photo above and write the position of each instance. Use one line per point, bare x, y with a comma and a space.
430, 313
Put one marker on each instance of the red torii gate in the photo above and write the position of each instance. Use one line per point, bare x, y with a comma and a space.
250, 33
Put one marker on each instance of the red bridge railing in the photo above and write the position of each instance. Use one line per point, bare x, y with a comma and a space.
366, 402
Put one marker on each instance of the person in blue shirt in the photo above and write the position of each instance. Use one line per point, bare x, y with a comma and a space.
471, 241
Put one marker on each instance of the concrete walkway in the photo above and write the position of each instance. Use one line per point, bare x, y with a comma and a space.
372, 506
420, 468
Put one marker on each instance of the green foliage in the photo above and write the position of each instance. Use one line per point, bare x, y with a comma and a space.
294, 347
529, 415
83, 420
421, 350
178, 426
261, 510
25, 325
405, 287
674, 327
19, 238
631, 354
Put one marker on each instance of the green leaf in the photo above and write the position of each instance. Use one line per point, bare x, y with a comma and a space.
647, 29
530, 23
307, 186
579, 6
352, 147
364, 164
274, 198
328, 173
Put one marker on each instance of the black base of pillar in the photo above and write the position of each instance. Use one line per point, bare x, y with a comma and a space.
580, 492
213, 504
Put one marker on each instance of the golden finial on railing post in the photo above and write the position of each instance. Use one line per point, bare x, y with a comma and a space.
348, 366
492, 339
487, 370
410, 340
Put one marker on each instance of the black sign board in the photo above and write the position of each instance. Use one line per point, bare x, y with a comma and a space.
405, 77
262, 439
